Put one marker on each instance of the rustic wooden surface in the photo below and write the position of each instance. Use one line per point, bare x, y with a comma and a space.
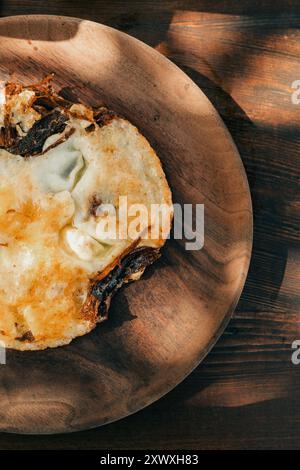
244, 55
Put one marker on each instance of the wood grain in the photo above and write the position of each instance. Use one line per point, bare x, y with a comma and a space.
244, 55
167, 322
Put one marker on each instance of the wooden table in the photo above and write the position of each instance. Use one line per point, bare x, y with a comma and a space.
245, 56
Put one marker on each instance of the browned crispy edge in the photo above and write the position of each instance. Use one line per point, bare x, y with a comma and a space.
129, 266
55, 113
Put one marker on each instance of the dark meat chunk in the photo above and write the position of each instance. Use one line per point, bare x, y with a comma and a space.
46, 103
103, 116
103, 290
33, 142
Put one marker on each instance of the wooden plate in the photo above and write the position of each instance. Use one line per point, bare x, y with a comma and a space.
162, 326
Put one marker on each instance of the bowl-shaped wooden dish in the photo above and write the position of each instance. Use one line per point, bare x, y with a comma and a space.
161, 327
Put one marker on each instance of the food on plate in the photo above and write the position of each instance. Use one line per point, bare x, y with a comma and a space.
72, 180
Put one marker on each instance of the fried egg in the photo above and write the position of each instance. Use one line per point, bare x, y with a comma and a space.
64, 250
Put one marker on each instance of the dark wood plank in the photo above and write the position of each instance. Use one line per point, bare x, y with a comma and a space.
244, 55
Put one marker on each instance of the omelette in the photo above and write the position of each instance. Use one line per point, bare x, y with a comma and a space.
66, 171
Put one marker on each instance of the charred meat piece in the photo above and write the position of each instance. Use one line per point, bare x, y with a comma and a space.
46, 103
103, 116
102, 291
32, 144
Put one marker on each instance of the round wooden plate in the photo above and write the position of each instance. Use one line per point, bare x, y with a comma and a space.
161, 327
